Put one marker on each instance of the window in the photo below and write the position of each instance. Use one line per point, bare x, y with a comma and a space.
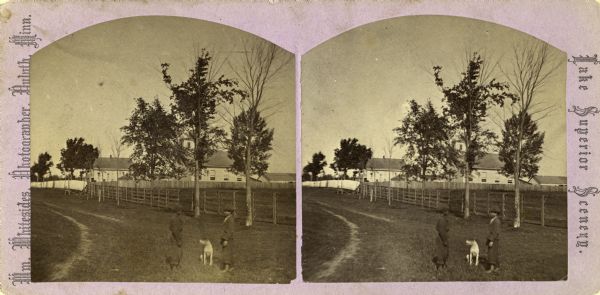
496, 181
239, 178
510, 181
188, 145
212, 174
483, 180
226, 177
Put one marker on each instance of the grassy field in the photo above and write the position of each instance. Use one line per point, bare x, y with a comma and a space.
129, 244
397, 244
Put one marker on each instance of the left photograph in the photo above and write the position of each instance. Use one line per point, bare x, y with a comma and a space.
163, 150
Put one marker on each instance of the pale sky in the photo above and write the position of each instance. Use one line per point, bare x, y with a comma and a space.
84, 84
358, 83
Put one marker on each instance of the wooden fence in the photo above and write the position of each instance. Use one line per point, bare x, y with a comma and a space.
266, 205
153, 197
538, 207
271, 207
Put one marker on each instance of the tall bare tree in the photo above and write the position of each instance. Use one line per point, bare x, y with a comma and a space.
532, 66
260, 65
116, 145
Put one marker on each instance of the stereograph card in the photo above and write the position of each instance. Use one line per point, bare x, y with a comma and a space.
332, 147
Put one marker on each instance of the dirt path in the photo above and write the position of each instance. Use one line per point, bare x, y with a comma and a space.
62, 270
104, 217
383, 246
348, 252
380, 218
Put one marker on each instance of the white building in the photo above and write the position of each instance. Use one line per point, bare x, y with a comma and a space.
487, 170
382, 169
109, 168
217, 168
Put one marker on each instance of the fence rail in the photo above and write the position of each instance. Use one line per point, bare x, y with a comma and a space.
182, 184
539, 207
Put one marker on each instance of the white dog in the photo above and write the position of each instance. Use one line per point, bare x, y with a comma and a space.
473, 252
207, 252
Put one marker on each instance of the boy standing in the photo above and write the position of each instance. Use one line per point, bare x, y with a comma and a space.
227, 240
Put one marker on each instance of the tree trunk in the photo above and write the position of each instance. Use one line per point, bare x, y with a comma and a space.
250, 210
517, 174
196, 189
467, 181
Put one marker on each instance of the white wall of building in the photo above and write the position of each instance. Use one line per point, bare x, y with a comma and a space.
490, 176
381, 175
108, 175
217, 175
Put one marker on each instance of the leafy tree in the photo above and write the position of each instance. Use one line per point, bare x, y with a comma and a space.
426, 135
42, 166
258, 146
351, 155
531, 146
533, 64
467, 103
315, 167
153, 134
77, 155
194, 102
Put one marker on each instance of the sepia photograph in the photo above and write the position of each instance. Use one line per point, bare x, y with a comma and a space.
434, 149
163, 150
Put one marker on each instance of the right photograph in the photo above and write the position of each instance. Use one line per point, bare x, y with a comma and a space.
434, 149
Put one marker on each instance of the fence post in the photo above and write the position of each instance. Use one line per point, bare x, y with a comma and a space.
488, 205
474, 203
166, 198
522, 207
429, 198
437, 199
253, 206
125, 194
274, 208
204, 200
219, 202
543, 210
503, 210
234, 209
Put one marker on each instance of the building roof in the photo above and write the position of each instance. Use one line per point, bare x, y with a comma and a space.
110, 163
543, 179
219, 159
489, 161
385, 164
279, 177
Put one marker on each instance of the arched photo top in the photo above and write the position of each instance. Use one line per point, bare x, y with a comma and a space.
86, 84
361, 81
